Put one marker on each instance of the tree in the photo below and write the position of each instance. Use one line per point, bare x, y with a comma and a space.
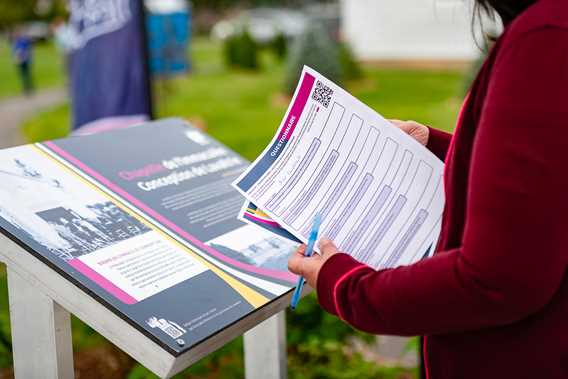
16, 12
314, 48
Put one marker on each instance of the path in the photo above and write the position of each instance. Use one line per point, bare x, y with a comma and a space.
15, 110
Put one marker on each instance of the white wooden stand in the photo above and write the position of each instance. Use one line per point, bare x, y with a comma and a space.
265, 349
41, 332
41, 301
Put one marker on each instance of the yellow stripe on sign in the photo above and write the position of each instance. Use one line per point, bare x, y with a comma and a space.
259, 213
251, 296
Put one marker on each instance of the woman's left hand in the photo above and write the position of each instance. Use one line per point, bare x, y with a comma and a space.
309, 267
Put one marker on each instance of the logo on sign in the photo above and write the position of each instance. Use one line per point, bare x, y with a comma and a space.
169, 327
197, 137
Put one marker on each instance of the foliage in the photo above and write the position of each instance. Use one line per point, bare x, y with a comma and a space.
329, 360
280, 46
15, 12
350, 67
413, 345
5, 351
225, 363
309, 322
314, 48
241, 51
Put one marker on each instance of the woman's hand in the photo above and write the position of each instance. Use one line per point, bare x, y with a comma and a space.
309, 267
417, 131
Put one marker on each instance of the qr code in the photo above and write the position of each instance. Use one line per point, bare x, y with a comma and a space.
322, 94
172, 331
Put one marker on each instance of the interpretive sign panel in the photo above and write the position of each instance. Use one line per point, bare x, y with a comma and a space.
145, 220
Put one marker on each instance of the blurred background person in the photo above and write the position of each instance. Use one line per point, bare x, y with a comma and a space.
64, 37
22, 47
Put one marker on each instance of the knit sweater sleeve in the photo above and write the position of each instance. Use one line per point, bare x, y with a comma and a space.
513, 254
438, 142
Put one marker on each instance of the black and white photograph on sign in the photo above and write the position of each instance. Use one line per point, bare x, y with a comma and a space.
252, 245
107, 225
68, 219
76, 223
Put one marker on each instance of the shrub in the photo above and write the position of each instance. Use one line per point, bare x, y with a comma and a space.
316, 49
349, 65
241, 51
280, 46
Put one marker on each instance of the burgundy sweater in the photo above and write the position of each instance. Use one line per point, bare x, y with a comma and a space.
493, 301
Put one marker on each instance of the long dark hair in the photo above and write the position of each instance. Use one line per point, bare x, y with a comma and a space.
508, 10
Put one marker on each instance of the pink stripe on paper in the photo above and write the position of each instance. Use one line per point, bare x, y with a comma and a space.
280, 275
425, 353
262, 221
102, 281
298, 106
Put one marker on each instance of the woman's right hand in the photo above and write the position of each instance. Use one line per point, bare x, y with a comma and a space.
417, 131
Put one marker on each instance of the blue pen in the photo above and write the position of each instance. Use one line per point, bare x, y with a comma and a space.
309, 251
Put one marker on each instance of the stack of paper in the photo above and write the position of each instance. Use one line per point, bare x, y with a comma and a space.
379, 192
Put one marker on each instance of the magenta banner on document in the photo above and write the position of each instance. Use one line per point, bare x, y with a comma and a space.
286, 130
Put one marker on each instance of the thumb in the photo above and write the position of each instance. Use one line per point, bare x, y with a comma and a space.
327, 247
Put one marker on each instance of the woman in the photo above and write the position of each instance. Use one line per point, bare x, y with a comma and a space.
493, 301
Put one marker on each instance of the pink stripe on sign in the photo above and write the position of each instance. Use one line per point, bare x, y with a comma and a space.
280, 275
102, 281
298, 107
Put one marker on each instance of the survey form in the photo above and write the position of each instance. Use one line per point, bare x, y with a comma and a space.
378, 191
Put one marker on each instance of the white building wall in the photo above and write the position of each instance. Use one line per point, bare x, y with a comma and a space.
409, 29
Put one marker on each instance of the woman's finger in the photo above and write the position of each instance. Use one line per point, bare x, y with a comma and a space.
327, 247
296, 264
301, 250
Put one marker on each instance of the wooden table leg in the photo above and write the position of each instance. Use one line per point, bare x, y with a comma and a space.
41, 332
265, 349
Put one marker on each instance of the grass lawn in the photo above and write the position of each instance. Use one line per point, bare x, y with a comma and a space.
47, 69
243, 109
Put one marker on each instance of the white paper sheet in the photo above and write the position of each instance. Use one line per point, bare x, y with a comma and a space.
379, 192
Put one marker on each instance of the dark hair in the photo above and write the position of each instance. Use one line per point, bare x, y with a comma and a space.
508, 10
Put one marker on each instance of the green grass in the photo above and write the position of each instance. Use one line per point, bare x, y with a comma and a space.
47, 125
243, 109
47, 69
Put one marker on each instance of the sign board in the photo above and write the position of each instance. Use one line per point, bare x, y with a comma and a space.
144, 220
